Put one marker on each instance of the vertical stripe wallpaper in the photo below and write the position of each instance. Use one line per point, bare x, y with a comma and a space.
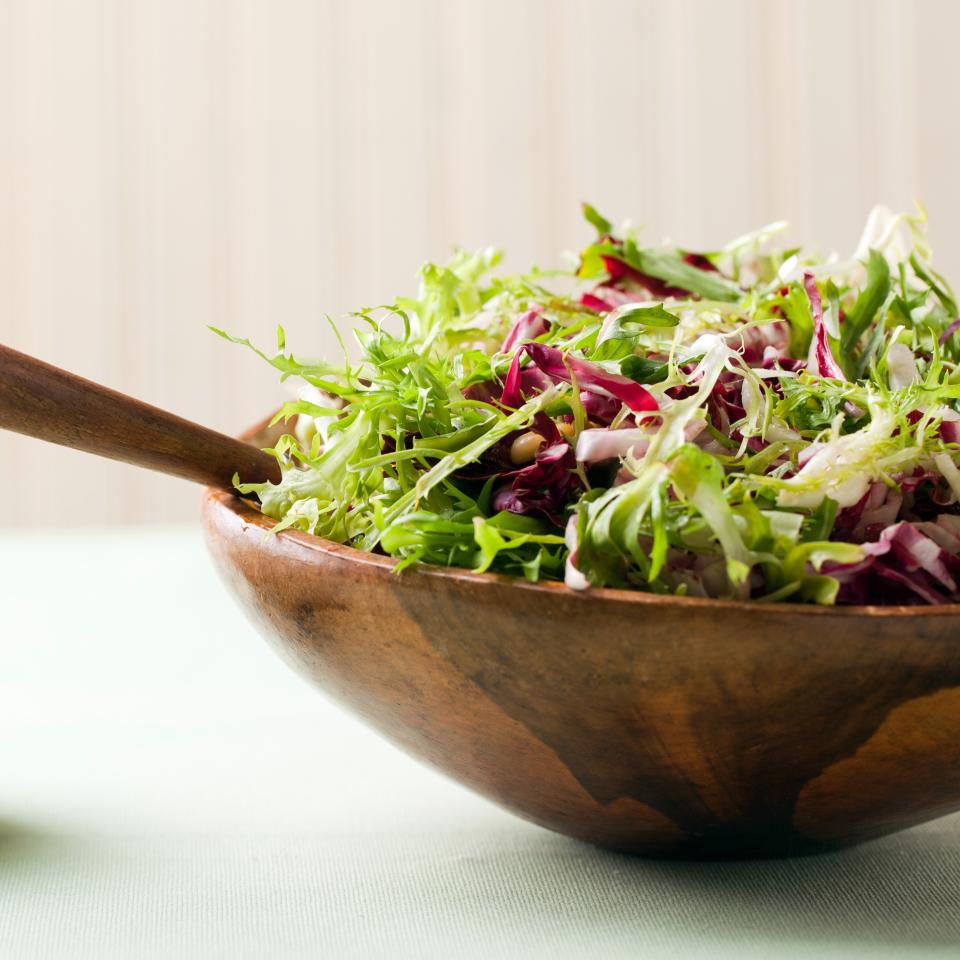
168, 164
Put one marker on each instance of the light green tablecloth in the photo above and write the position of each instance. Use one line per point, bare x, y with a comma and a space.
168, 789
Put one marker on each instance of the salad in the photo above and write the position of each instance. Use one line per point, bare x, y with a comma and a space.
748, 423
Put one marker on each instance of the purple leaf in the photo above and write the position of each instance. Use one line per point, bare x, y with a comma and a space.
557, 367
949, 332
544, 486
527, 326
591, 377
822, 361
905, 565
619, 271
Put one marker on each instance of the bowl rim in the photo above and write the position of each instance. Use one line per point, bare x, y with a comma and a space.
248, 512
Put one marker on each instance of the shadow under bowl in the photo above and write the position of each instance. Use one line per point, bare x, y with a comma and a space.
665, 726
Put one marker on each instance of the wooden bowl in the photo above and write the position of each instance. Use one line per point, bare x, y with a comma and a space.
659, 725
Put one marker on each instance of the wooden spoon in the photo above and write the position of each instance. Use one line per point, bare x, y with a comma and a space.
43, 401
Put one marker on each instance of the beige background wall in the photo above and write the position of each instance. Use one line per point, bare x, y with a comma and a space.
165, 164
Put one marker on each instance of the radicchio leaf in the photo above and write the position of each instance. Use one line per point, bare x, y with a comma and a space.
904, 565
821, 361
591, 377
544, 486
559, 367
528, 326
604, 298
658, 289
949, 332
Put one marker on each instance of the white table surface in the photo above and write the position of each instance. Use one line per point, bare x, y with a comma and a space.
169, 789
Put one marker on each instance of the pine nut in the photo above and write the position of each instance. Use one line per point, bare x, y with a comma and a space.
525, 447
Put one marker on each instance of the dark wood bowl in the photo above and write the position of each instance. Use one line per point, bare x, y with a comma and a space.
659, 725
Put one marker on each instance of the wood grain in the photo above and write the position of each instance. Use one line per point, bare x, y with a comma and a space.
664, 726
42, 401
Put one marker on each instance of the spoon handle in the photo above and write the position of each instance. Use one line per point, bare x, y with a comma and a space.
43, 401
